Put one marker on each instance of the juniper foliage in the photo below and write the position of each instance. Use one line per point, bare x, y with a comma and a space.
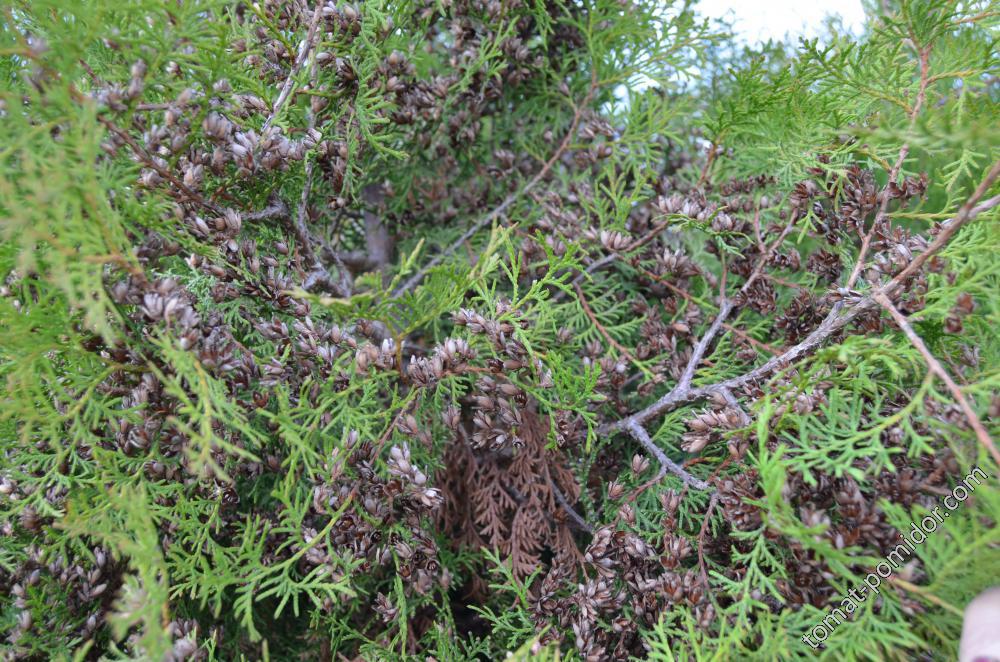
451, 330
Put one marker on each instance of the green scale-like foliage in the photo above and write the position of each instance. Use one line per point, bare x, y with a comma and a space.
231, 430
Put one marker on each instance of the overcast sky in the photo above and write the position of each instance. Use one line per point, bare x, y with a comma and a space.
759, 20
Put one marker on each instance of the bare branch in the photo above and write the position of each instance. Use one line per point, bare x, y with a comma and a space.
699, 349
666, 464
839, 316
756, 229
319, 276
701, 538
304, 47
968, 212
766, 255
681, 292
276, 208
573, 515
378, 239
938, 369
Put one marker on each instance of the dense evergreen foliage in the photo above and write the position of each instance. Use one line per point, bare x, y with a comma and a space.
459, 329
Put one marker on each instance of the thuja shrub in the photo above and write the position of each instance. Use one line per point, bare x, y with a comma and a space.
458, 330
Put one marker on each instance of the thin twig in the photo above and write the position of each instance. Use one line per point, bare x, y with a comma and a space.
978, 17
599, 264
904, 151
784, 283
701, 538
938, 369
573, 515
766, 255
276, 208
968, 212
150, 162
881, 216
924, 593
756, 229
600, 327
414, 280
713, 151
681, 292
702, 345
591, 268
649, 236
666, 464
304, 47
318, 275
